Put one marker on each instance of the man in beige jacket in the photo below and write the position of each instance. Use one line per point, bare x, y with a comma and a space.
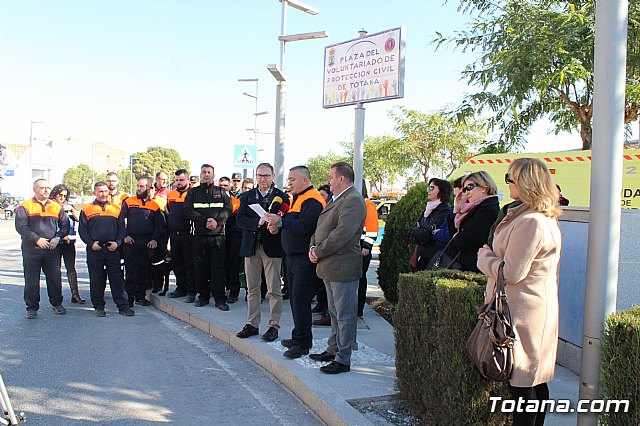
335, 247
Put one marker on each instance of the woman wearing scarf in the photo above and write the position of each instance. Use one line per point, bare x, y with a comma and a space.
430, 231
528, 240
475, 208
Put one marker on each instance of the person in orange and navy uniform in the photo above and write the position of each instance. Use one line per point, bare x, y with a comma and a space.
41, 223
368, 238
180, 236
115, 196
144, 227
102, 230
233, 237
298, 225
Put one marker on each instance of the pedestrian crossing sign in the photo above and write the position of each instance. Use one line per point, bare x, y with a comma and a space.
245, 156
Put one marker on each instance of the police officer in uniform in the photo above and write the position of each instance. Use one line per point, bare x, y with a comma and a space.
102, 230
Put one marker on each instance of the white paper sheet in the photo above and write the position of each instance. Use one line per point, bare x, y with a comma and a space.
258, 209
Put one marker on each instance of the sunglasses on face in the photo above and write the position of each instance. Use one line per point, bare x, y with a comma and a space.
507, 179
431, 188
61, 196
469, 187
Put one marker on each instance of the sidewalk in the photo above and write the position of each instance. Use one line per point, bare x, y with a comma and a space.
372, 366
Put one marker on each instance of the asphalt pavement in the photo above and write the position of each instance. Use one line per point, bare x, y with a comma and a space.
77, 369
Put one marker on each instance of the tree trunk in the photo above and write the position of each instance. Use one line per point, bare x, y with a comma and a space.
586, 133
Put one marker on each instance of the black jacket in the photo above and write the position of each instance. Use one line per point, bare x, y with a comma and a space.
247, 220
207, 201
473, 233
427, 245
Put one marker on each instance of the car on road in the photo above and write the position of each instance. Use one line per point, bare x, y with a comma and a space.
384, 208
75, 199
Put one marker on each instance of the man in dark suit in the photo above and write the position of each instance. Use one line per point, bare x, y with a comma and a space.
335, 247
262, 251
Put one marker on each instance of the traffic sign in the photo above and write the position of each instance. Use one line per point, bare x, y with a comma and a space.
245, 156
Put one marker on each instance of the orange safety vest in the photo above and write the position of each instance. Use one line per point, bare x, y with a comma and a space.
300, 199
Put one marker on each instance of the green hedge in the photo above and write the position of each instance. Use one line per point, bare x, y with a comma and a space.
396, 249
432, 321
620, 373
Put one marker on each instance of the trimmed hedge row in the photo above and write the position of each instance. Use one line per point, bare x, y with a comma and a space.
396, 249
620, 373
432, 321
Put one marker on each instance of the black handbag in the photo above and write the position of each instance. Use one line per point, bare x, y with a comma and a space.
441, 260
490, 345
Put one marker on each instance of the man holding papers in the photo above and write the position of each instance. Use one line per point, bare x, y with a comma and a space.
262, 251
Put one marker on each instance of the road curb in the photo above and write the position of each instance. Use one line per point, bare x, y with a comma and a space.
292, 382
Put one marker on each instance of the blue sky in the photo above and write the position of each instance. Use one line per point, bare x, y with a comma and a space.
137, 73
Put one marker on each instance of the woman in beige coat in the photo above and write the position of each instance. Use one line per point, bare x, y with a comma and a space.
527, 239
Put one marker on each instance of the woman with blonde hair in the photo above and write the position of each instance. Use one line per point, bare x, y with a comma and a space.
527, 239
475, 208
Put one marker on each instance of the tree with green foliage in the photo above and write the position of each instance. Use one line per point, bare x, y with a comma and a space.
157, 159
436, 143
79, 179
537, 60
320, 165
384, 159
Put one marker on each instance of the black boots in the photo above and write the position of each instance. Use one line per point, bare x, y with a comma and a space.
72, 277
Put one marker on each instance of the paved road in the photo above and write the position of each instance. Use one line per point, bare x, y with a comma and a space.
77, 369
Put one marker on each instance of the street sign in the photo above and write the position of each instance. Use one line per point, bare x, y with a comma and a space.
245, 156
365, 69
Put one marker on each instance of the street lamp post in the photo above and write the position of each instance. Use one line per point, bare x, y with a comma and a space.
255, 114
31, 151
131, 160
277, 72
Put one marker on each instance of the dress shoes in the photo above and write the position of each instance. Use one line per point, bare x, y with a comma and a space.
247, 331
317, 309
31, 314
232, 299
270, 335
126, 311
75, 298
322, 357
222, 306
176, 294
324, 320
190, 298
295, 352
100, 313
142, 301
59, 309
287, 343
201, 302
335, 368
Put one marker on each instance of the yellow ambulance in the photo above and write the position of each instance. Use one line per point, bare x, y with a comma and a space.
570, 169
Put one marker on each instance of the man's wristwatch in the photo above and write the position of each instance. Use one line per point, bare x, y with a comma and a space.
279, 224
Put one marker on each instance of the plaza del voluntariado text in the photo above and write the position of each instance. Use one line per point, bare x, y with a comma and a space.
355, 72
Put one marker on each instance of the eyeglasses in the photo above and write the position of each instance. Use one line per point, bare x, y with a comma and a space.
431, 188
263, 176
61, 196
507, 179
469, 187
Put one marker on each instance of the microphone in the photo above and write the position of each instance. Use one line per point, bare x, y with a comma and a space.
276, 203
283, 209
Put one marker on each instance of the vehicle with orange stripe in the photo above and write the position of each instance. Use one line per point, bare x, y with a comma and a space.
570, 169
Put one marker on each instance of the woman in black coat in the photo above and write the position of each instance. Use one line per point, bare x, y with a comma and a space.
475, 210
430, 231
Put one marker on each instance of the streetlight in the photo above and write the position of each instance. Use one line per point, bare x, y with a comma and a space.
131, 160
255, 114
31, 150
278, 74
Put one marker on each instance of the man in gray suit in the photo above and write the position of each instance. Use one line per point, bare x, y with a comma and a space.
335, 247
